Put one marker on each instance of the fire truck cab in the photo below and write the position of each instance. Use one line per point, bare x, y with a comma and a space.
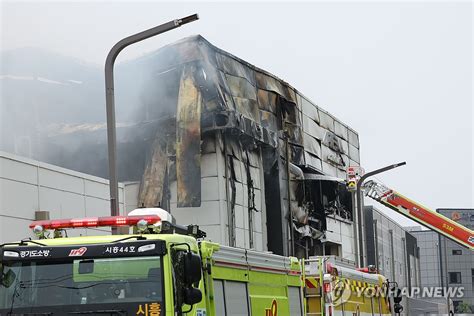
161, 269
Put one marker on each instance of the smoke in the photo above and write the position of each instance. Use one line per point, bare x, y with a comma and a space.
52, 109
40, 90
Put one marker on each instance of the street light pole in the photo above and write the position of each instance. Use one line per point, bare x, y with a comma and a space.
110, 98
360, 211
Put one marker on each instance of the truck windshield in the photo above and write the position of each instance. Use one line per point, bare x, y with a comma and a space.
131, 285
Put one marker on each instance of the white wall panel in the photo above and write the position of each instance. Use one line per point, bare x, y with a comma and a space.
96, 207
326, 120
64, 193
239, 216
208, 189
207, 214
247, 238
257, 221
245, 200
353, 138
259, 241
354, 153
240, 238
14, 229
313, 129
309, 109
341, 130
61, 204
60, 181
131, 195
209, 165
96, 189
22, 172
246, 218
329, 169
18, 199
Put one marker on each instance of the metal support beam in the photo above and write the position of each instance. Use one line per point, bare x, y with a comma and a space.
110, 98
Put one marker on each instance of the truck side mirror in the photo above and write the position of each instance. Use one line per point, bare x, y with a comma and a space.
192, 268
192, 296
8, 278
397, 298
398, 308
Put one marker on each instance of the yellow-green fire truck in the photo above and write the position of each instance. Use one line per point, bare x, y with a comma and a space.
336, 290
161, 269
168, 269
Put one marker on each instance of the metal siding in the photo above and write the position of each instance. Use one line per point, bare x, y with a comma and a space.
309, 109
213, 233
327, 121
64, 193
22, 172
131, 196
236, 299
341, 130
354, 153
96, 190
329, 169
207, 214
209, 165
353, 138
219, 303
96, 207
18, 199
294, 300
11, 229
231, 255
240, 238
60, 181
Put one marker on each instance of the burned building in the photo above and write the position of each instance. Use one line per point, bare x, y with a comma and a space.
230, 147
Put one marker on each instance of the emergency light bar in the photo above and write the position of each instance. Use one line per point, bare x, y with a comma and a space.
109, 221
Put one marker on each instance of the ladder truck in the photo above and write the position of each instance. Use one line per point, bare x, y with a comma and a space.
420, 214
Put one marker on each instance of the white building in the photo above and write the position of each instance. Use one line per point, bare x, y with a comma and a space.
28, 186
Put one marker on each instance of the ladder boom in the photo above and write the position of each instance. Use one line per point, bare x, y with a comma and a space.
420, 214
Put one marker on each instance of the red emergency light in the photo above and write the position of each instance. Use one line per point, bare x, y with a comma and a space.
370, 269
327, 287
106, 221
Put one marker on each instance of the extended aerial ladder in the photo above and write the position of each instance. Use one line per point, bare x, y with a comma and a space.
420, 214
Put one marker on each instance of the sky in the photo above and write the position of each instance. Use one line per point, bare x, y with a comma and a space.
399, 73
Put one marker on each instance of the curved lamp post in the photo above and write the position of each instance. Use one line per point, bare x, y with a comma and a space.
110, 99
360, 211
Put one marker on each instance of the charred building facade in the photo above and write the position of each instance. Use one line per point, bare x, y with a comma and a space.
244, 154
230, 147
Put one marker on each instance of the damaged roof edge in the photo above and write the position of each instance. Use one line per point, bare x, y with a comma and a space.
199, 39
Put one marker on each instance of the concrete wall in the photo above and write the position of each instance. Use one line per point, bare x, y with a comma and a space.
27, 186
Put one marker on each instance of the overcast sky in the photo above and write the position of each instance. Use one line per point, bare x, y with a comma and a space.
400, 74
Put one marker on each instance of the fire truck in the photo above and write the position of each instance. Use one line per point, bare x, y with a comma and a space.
160, 269
335, 289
